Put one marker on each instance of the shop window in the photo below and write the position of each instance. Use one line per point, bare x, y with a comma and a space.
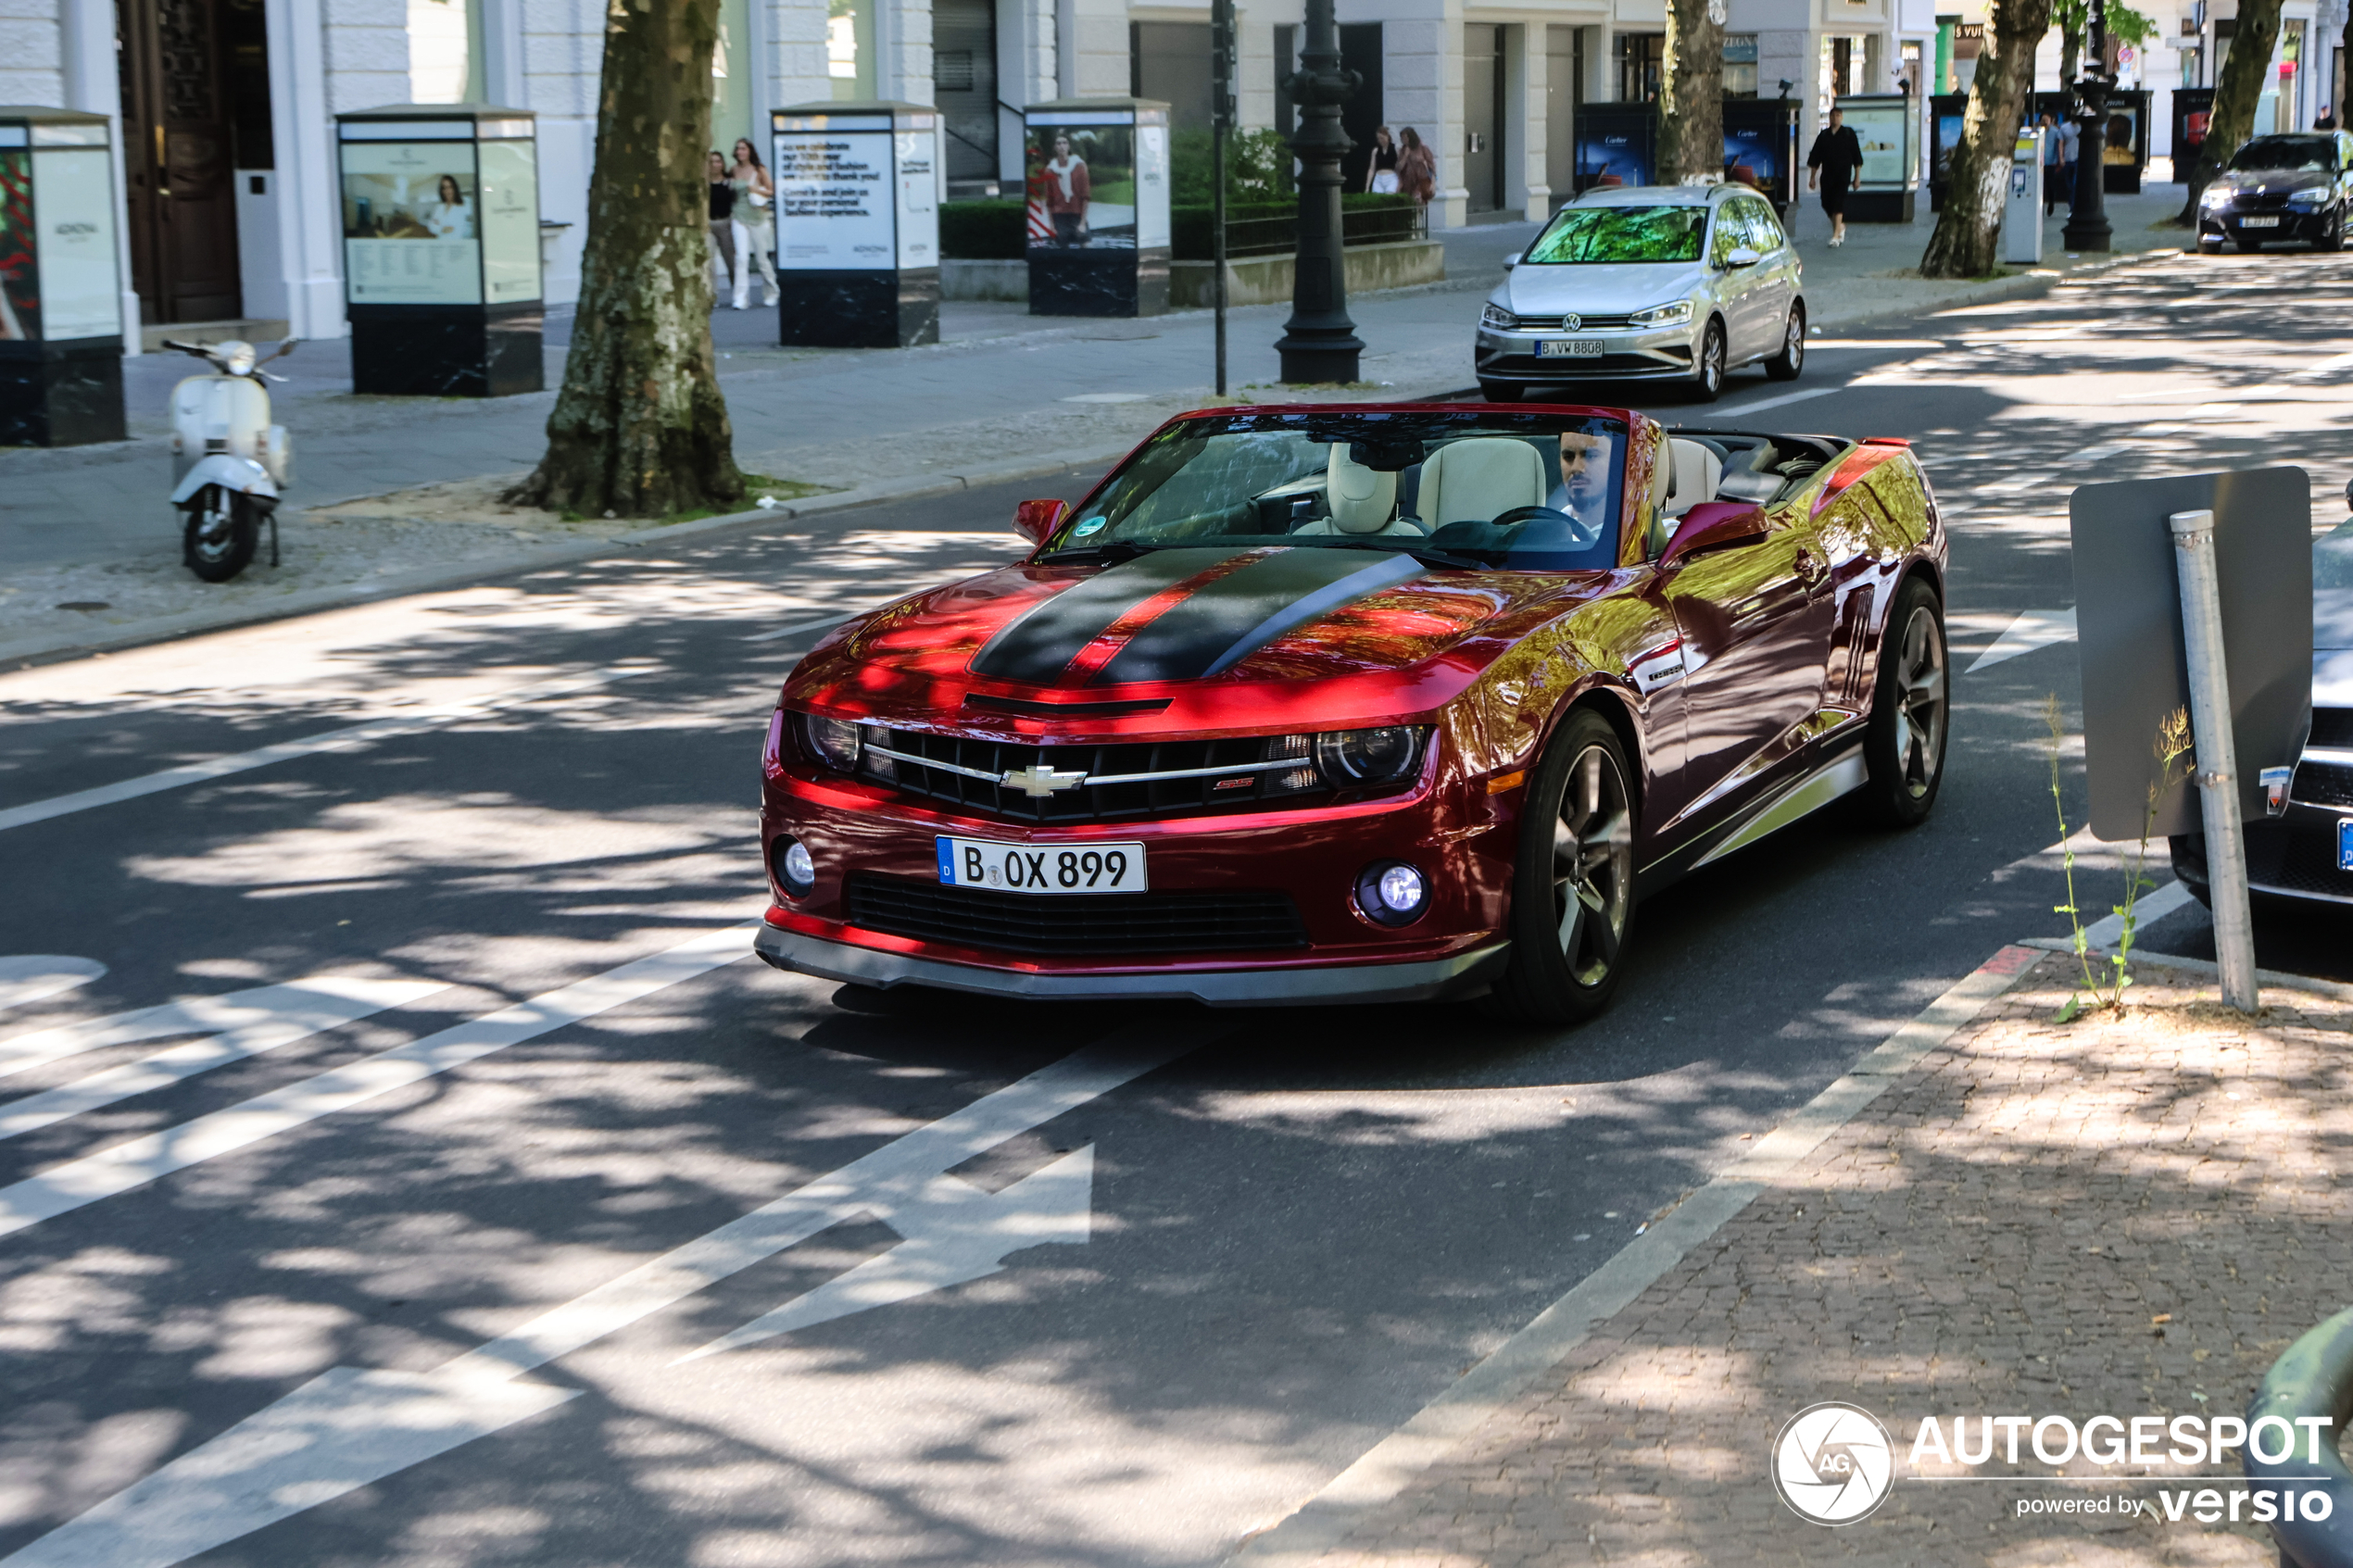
849, 47
1641, 62
1740, 65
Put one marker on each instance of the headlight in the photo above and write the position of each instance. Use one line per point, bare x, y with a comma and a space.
1349, 757
1496, 316
1673, 315
2311, 195
236, 357
2216, 195
789, 861
833, 742
1391, 892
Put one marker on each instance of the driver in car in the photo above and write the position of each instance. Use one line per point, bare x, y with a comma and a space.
1583, 489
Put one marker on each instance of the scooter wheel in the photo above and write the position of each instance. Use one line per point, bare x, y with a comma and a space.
221, 532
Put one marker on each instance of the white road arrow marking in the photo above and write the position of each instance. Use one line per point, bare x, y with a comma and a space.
30, 976
142, 1159
954, 1233
2033, 629
237, 1025
349, 1427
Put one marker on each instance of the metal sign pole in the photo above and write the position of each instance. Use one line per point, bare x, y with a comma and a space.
2217, 758
1221, 35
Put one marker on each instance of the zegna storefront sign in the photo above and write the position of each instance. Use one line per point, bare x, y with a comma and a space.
1834, 1463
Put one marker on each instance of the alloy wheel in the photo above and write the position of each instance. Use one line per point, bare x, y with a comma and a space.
1711, 361
1793, 341
1920, 706
1592, 865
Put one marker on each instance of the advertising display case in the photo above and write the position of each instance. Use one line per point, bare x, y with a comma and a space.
1097, 185
857, 223
61, 287
1946, 112
441, 250
2125, 156
2193, 111
1888, 126
1760, 148
1617, 144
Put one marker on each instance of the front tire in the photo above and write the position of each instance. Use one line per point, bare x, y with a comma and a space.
1707, 374
221, 531
1791, 361
1573, 885
2332, 237
1911, 712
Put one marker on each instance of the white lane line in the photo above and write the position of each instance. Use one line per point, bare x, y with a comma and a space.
350, 1427
2033, 629
1759, 406
352, 737
2109, 930
801, 626
134, 1164
27, 977
1394, 1463
240, 1025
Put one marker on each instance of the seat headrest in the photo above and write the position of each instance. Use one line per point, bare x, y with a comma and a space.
1694, 474
1480, 478
1362, 500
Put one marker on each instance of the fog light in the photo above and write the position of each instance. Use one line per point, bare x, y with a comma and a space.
1391, 892
796, 873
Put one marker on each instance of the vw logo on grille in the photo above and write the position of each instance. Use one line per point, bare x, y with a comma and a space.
1038, 781
1570, 323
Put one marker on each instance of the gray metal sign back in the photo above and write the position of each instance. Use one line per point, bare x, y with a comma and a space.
2128, 619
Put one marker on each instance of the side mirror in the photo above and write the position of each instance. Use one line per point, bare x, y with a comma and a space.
1740, 256
1035, 520
1513, 260
1713, 525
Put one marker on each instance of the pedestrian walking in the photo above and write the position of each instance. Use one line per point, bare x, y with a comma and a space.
2053, 192
2069, 136
722, 207
1381, 170
1416, 167
1832, 164
753, 224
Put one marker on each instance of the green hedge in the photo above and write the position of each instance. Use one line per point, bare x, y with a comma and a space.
1271, 228
984, 230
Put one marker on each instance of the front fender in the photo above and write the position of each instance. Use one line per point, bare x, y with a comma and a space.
240, 476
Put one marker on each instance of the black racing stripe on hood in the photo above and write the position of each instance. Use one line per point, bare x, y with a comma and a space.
1228, 618
1037, 646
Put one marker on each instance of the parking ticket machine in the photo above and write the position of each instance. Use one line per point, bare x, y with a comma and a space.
2023, 205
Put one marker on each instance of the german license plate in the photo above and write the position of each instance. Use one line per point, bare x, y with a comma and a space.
1568, 348
2259, 222
2345, 843
1030, 868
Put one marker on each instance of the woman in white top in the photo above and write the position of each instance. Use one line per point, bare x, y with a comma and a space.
754, 222
449, 217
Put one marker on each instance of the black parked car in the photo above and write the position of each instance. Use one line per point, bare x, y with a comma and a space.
2284, 187
2307, 851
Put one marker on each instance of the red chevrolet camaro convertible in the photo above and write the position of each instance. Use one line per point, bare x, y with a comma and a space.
1360, 704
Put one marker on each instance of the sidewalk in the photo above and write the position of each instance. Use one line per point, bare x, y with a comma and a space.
2132, 1217
89, 526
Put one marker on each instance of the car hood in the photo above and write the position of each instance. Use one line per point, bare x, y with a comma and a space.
1611, 290
1181, 639
2238, 180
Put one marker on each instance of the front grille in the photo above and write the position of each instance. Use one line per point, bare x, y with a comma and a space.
2332, 727
1600, 365
1244, 787
2308, 864
2324, 784
1618, 323
1075, 924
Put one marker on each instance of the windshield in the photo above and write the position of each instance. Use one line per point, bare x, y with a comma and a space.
1597, 234
2288, 152
1527, 491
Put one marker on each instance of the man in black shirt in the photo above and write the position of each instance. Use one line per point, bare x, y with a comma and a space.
1832, 164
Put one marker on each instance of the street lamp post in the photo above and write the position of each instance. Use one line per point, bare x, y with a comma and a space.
2087, 227
1319, 343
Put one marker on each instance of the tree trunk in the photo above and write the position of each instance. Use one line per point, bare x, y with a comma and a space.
640, 429
1691, 98
2236, 86
1968, 230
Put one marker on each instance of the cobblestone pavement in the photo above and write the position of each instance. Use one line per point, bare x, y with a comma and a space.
2130, 1215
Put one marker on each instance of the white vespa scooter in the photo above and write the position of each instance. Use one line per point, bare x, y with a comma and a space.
228, 460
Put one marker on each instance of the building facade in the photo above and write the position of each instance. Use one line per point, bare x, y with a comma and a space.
224, 108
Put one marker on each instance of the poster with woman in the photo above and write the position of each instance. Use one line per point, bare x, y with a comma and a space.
411, 233
1082, 185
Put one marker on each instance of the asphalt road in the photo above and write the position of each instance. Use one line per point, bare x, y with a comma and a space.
445, 1222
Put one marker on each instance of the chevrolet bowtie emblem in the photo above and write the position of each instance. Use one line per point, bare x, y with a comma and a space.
1038, 781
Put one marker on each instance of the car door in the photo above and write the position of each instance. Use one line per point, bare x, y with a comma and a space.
1777, 274
1733, 287
1755, 621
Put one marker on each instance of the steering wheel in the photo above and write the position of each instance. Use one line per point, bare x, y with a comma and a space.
1578, 533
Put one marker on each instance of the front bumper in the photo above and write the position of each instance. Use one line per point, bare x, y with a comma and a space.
1424, 980
2293, 224
2292, 856
1664, 354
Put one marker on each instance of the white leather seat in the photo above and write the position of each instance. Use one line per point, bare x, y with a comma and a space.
1362, 500
1696, 471
1480, 479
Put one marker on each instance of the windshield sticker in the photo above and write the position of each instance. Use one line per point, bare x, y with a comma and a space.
1092, 525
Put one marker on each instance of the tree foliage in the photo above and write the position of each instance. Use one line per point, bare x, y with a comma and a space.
1691, 91
2236, 87
2073, 18
1965, 244
640, 428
